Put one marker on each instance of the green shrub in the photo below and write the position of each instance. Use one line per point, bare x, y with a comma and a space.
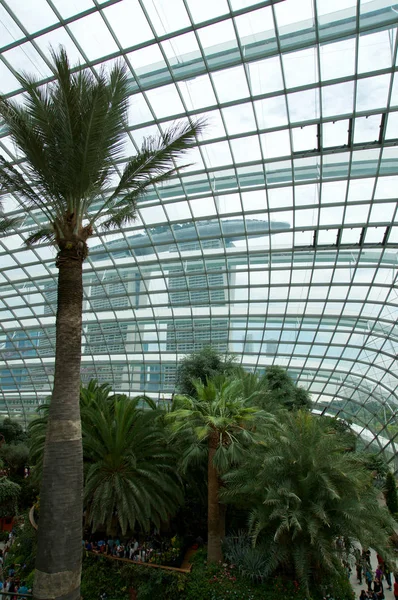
23, 551
390, 493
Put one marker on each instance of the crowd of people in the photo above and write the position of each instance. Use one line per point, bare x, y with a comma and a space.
375, 580
132, 549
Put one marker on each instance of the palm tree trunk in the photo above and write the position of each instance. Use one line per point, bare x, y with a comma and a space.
214, 553
223, 514
59, 552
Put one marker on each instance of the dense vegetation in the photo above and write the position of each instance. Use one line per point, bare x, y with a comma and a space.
242, 463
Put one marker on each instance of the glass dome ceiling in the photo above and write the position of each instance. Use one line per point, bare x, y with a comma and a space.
278, 243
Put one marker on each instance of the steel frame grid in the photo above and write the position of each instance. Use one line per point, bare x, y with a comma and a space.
242, 305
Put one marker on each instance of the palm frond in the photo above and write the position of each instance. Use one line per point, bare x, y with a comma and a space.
154, 164
44, 234
11, 181
8, 223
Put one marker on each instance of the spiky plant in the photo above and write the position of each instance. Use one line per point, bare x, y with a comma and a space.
130, 474
71, 132
305, 492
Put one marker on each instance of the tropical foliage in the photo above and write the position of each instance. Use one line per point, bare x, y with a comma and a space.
283, 391
306, 492
218, 421
301, 492
9, 496
391, 493
129, 469
130, 475
202, 365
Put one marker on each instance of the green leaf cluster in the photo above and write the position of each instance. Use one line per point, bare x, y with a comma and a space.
203, 365
129, 467
71, 133
304, 492
9, 496
390, 493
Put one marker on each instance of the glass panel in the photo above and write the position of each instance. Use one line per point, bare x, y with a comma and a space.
128, 23
256, 26
372, 92
337, 59
198, 92
367, 129
375, 51
33, 20
271, 112
300, 68
275, 144
338, 99
335, 133
305, 138
100, 41
167, 15
239, 119
265, 76
230, 84
165, 101
246, 149
203, 11
9, 30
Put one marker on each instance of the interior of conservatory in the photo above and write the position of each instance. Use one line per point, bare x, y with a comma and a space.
198, 299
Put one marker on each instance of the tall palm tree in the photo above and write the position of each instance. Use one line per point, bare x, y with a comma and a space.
130, 474
218, 420
305, 492
71, 133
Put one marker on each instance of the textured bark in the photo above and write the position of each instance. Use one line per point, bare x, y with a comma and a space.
223, 513
214, 553
59, 553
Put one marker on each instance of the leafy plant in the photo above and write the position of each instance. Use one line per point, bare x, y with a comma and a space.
9, 496
12, 432
390, 493
304, 492
218, 421
201, 366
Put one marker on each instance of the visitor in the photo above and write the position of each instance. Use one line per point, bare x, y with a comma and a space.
133, 548
12, 588
23, 589
369, 577
358, 564
379, 572
347, 569
396, 589
110, 545
378, 589
11, 571
387, 575
364, 595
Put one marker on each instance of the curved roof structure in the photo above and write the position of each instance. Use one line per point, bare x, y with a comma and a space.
279, 241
